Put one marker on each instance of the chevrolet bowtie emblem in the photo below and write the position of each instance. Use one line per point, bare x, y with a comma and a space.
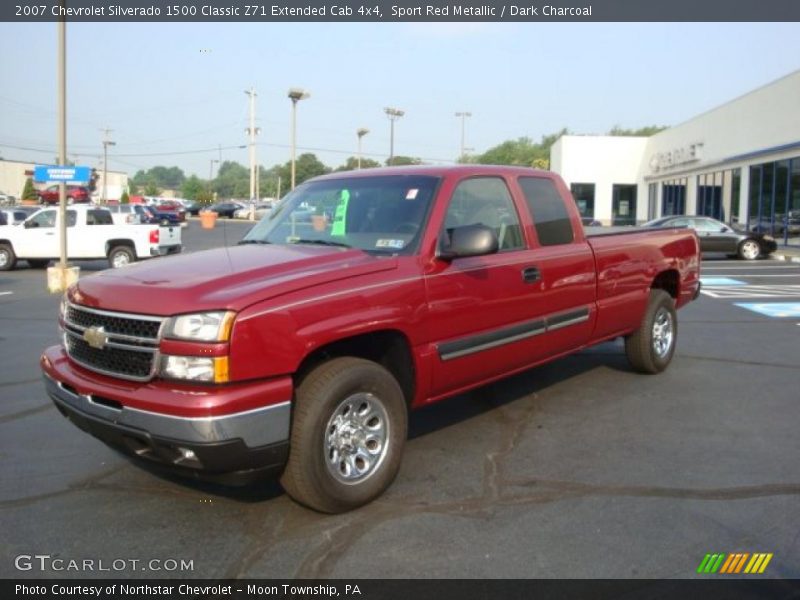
96, 337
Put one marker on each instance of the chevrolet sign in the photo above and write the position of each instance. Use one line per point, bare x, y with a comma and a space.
96, 337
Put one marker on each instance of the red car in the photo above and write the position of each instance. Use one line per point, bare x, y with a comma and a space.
171, 206
75, 194
302, 350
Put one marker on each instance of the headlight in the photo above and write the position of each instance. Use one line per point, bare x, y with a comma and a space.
201, 327
195, 368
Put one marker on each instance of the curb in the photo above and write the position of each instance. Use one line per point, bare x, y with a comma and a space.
786, 258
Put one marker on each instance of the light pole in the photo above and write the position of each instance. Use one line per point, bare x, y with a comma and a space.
252, 131
463, 116
360, 132
211, 172
62, 147
295, 95
106, 144
393, 114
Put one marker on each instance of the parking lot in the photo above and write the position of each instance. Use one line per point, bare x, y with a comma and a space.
580, 468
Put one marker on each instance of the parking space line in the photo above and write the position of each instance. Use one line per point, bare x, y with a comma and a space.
773, 309
6, 293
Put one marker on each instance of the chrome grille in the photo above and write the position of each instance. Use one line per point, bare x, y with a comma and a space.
129, 342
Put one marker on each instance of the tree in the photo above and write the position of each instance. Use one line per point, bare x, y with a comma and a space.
192, 188
151, 189
522, 151
641, 132
399, 161
28, 191
132, 187
306, 167
233, 180
351, 164
124, 199
162, 177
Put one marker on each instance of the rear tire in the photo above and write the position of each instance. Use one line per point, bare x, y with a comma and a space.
749, 250
651, 347
349, 427
119, 256
8, 260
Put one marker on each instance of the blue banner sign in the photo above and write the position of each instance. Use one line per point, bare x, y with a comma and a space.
49, 174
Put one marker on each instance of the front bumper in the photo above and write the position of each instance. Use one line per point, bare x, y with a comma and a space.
235, 448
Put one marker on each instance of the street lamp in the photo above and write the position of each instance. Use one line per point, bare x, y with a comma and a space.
106, 144
393, 114
211, 171
463, 116
360, 132
295, 95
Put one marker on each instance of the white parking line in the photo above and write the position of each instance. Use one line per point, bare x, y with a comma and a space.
6, 293
752, 291
707, 267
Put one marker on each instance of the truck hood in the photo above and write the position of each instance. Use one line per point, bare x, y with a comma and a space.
224, 278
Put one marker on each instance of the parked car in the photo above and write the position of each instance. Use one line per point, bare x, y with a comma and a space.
75, 194
171, 206
91, 234
133, 213
590, 222
226, 209
192, 206
7, 199
261, 209
16, 215
716, 236
301, 351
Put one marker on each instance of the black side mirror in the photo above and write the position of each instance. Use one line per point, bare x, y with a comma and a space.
29, 224
470, 240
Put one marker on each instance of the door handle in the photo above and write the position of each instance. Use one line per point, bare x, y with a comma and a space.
531, 274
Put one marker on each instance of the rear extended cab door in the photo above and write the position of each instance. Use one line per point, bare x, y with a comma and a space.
491, 315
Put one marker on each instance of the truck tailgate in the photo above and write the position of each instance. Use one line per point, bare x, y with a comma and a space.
169, 236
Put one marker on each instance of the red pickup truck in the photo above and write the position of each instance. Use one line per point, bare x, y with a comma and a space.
300, 351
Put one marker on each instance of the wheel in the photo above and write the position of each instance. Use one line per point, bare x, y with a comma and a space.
650, 348
39, 263
348, 432
119, 256
8, 260
749, 250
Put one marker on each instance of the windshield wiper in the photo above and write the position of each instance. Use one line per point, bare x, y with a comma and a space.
253, 242
322, 243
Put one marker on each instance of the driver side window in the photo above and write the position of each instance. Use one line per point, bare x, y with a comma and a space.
46, 218
485, 201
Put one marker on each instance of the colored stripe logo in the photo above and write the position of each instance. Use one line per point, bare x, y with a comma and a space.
740, 562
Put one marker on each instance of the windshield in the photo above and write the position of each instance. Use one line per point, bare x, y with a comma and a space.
376, 214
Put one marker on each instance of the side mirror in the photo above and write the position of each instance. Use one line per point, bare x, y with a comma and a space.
30, 224
470, 240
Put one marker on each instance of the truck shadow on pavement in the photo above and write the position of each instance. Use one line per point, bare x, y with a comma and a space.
447, 413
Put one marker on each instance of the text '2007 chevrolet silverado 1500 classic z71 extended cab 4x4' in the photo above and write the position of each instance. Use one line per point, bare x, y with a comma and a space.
301, 350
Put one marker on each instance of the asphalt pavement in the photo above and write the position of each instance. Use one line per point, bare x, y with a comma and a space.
580, 468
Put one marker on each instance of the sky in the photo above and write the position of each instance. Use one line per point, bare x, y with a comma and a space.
173, 93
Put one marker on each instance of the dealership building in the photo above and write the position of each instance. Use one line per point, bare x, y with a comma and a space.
14, 173
739, 163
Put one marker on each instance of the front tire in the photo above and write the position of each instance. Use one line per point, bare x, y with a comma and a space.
749, 250
650, 348
8, 260
348, 432
120, 256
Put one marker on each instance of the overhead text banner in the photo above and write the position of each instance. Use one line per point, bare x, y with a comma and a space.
400, 11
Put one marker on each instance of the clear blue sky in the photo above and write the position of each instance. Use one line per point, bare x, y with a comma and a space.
170, 88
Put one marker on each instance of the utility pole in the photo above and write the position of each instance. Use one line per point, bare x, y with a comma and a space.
252, 131
463, 116
62, 142
360, 132
393, 114
106, 143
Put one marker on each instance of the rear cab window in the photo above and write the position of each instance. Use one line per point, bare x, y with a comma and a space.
551, 220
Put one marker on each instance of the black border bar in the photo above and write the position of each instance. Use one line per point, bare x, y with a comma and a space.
434, 11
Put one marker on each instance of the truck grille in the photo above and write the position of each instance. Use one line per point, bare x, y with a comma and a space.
116, 344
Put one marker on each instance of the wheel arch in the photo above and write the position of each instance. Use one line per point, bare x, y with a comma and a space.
115, 243
669, 281
390, 348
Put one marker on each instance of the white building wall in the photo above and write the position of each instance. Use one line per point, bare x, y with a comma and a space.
604, 161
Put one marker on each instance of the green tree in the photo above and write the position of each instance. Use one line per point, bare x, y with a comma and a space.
306, 167
399, 161
231, 176
162, 177
132, 187
28, 191
125, 198
641, 132
151, 189
351, 164
193, 187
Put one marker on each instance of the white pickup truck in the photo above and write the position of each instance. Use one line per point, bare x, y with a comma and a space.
91, 235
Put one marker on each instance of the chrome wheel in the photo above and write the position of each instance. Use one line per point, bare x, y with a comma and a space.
4, 259
750, 250
662, 333
120, 260
356, 438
